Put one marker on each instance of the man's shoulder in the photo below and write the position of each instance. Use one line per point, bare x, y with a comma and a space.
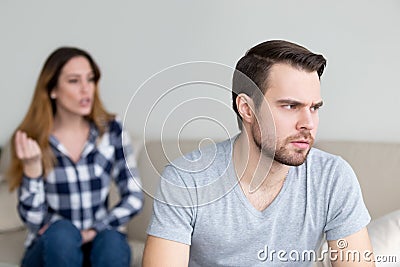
317, 156
210, 159
199, 177
206, 156
220, 149
326, 164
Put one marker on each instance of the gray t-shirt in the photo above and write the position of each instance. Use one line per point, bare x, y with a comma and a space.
200, 203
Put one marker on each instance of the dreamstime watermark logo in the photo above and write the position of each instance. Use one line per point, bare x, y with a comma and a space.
187, 101
342, 243
343, 254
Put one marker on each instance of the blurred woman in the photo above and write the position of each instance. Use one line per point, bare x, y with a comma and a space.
66, 151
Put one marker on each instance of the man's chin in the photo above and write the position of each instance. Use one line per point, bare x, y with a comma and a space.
296, 158
293, 163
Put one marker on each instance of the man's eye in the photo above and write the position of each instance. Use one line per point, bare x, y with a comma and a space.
289, 107
91, 79
73, 80
315, 108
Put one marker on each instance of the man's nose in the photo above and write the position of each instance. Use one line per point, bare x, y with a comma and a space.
305, 120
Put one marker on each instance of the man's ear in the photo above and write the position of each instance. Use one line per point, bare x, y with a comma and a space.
245, 107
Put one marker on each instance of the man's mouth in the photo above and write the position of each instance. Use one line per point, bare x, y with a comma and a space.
302, 144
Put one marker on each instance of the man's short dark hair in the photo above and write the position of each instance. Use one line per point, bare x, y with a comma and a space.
253, 68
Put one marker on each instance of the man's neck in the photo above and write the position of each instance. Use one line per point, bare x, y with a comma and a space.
255, 170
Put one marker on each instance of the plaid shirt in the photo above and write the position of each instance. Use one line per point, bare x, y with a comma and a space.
79, 191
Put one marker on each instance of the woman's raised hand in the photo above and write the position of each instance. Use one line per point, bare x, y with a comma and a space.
29, 152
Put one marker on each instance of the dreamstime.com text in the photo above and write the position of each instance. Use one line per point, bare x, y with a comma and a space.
272, 255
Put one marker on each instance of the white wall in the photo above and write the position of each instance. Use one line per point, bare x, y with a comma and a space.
132, 40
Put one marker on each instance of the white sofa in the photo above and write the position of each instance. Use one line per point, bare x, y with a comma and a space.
376, 164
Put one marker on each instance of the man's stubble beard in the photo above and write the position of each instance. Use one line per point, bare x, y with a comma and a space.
282, 154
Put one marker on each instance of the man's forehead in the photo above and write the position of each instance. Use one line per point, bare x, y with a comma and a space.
281, 71
288, 82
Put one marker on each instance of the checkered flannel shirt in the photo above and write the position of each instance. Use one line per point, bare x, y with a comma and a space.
79, 191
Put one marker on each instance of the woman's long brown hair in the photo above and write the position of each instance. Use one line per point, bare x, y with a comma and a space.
38, 121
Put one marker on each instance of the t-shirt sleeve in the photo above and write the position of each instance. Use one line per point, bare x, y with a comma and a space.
347, 213
173, 208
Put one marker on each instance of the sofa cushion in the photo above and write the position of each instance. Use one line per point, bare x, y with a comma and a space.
137, 248
10, 220
12, 246
384, 233
4, 160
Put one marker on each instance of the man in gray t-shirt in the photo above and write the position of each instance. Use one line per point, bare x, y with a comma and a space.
264, 197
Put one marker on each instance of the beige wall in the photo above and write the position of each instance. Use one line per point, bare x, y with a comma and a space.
132, 40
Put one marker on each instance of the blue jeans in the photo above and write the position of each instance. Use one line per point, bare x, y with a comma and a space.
61, 246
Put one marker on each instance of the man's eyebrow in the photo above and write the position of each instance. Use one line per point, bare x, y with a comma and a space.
298, 103
290, 102
318, 104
